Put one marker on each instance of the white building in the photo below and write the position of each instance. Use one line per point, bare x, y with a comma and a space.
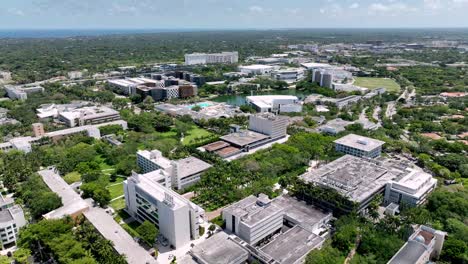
11, 220
257, 69
422, 246
269, 124
411, 189
177, 219
5, 76
210, 58
359, 146
275, 103
128, 86
89, 115
288, 75
177, 174
21, 92
255, 218
73, 75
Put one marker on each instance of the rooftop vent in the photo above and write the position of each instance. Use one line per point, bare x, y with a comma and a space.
362, 141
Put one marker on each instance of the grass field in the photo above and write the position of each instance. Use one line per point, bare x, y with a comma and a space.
194, 133
118, 204
373, 83
116, 188
72, 177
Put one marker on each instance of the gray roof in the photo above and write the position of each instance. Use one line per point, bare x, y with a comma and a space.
5, 216
219, 249
353, 177
190, 166
409, 253
359, 142
244, 138
291, 246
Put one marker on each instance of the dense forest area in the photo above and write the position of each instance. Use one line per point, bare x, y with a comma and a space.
38, 59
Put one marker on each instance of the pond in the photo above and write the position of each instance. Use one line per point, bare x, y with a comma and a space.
239, 99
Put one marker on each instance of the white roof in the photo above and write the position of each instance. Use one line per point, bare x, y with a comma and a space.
311, 65
256, 67
359, 142
265, 101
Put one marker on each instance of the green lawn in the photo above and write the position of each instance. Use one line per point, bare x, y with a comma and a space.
373, 83
72, 177
195, 132
116, 188
118, 204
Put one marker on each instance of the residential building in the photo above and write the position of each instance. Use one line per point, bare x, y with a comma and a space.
177, 219
359, 146
275, 103
280, 230
257, 69
11, 220
177, 174
89, 115
269, 124
211, 58
422, 246
411, 190
20, 92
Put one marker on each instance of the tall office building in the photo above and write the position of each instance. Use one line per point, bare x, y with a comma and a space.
177, 219
11, 220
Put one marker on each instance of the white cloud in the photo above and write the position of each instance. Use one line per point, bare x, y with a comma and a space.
16, 12
256, 9
391, 9
354, 6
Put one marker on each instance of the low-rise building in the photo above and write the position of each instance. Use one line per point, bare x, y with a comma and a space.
257, 69
359, 146
280, 230
90, 115
177, 219
334, 126
274, 103
211, 58
177, 174
288, 75
422, 246
11, 220
219, 248
20, 92
356, 179
411, 190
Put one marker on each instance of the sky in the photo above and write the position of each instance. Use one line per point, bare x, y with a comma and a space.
231, 14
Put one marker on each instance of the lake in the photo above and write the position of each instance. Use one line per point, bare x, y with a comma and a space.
239, 99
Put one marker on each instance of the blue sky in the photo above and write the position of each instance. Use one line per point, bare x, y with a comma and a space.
173, 14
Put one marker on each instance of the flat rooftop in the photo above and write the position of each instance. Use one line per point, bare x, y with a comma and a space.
216, 146
228, 151
359, 142
190, 166
303, 214
244, 138
219, 249
121, 240
72, 202
292, 245
353, 177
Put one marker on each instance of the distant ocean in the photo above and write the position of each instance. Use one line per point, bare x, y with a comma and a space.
66, 33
